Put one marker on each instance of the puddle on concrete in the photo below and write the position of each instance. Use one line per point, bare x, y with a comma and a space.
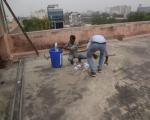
128, 104
45, 71
7, 84
48, 96
132, 101
138, 72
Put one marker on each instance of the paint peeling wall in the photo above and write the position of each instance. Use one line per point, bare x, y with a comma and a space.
45, 39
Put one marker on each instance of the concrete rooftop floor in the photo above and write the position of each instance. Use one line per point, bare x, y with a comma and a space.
120, 92
7, 85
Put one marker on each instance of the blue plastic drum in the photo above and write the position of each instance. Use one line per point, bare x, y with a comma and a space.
56, 57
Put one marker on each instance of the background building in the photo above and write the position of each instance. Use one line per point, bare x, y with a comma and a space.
55, 15
66, 18
39, 14
143, 9
75, 19
123, 10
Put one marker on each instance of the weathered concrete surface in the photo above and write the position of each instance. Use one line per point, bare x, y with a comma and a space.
120, 92
7, 85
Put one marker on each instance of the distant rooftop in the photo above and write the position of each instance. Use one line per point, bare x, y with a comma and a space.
143, 9
53, 6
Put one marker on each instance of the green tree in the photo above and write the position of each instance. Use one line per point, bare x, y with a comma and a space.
35, 24
138, 16
102, 19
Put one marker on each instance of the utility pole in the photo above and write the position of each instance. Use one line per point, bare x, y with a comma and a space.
5, 18
2, 22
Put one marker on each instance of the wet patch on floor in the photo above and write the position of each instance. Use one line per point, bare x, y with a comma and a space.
136, 72
71, 96
48, 96
132, 101
51, 115
138, 50
7, 84
46, 100
45, 71
128, 104
53, 98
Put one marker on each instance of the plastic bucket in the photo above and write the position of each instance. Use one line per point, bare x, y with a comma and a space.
56, 57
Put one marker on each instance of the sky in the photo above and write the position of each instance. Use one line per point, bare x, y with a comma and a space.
26, 7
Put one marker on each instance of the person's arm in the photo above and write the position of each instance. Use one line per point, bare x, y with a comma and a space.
66, 47
74, 46
88, 45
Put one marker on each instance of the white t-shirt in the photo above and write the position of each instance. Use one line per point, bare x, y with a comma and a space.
96, 38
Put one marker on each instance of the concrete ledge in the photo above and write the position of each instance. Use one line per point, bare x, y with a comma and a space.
82, 48
46, 39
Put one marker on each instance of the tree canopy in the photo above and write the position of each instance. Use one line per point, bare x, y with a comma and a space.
35, 24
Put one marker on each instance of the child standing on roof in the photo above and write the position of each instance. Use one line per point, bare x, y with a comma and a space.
72, 46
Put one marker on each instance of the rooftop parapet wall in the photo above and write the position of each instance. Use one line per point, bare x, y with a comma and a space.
45, 39
5, 46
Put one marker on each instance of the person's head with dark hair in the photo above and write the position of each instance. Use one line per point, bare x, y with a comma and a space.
72, 39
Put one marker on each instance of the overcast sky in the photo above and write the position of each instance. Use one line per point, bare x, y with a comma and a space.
25, 7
